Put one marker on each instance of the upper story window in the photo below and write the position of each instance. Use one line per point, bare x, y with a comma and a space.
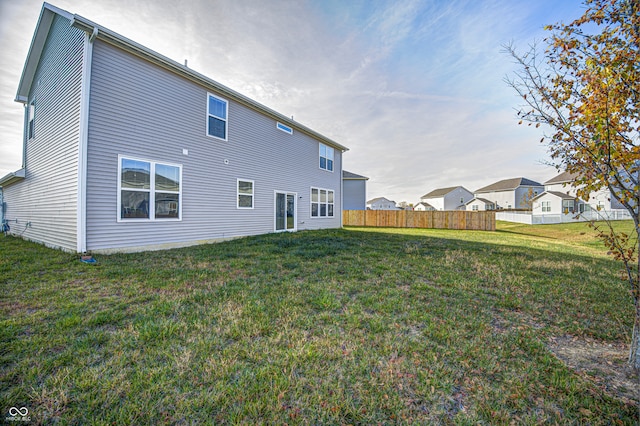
31, 119
326, 157
217, 109
245, 194
149, 190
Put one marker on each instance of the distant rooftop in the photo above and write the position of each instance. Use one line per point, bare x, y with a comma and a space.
508, 184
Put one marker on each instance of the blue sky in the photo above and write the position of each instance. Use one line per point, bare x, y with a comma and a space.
413, 87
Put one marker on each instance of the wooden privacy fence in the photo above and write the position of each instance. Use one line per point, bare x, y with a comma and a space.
473, 220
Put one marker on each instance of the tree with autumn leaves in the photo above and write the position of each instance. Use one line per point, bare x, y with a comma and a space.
585, 89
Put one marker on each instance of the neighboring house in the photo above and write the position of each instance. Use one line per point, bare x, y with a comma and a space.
452, 198
480, 204
598, 200
515, 193
354, 191
125, 149
560, 197
381, 203
553, 202
424, 207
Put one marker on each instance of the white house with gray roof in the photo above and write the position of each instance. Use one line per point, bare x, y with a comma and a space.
480, 204
126, 149
514, 193
560, 198
381, 203
451, 198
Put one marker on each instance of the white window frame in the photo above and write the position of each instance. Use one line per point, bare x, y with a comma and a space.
152, 191
225, 119
328, 150
238, 194
546, 206
284, 128
319, 203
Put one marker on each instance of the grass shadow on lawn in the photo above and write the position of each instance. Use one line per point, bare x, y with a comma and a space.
336, 326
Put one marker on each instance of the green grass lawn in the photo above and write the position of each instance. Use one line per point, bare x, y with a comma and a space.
352, 326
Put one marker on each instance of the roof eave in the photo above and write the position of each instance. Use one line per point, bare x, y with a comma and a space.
137, 49
11, 178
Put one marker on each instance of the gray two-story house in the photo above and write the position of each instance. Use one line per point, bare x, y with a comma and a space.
125, 149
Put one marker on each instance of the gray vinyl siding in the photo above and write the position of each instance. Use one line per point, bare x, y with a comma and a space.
47, 197
355, 194
143, 111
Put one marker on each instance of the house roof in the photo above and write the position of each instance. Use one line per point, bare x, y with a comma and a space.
556, 194
49, 11
10, 178
373, 200
422, 203
564, 177
484, 200
352, 176
508, 184
440, 192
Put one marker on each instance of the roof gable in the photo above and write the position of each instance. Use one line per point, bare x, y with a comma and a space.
349, 175
561, 195
47, 13
564, 177
509, 184
482, 200
440, 192
375, 200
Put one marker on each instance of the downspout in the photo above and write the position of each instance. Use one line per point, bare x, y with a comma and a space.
341, 190
87, 56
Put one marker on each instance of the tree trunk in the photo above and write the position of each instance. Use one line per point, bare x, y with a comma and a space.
634, 352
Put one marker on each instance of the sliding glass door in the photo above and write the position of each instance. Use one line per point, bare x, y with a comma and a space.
285, 214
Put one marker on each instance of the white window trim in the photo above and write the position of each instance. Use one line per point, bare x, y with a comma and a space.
333, 159
311, 203
226, 120
31, 120
253, 194
152, 191
284, 128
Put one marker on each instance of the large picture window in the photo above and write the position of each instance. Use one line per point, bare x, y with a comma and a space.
149, 190
322, 202
326, 157
245, 194
217, 109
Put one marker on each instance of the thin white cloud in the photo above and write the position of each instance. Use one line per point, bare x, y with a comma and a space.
413, 88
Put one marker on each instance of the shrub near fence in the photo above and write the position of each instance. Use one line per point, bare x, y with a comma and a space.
477, 221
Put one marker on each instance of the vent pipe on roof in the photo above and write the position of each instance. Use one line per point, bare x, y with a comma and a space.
185, 63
